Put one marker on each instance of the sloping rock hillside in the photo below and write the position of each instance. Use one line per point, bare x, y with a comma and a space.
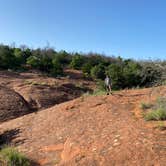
41, 91
93, 131
12, 104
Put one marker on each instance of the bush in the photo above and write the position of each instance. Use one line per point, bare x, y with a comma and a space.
159, 114
18, 56
98, 92
161, 126
11, 157
64, 58
161, 103
98, 72
150, 75
124, 73
7, 58
145, 106
131, 74
115, 71
33, 61
159, 110
86, 68
57, 68
77, 61
101, 85
101, 89
45, 63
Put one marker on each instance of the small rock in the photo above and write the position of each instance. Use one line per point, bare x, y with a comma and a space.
116, 144
117, 136
115, 140
94, 149
110, 148
60, 138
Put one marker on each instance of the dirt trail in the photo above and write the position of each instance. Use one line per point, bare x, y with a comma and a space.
93, 131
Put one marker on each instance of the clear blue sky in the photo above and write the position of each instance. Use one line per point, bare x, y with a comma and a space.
129, 28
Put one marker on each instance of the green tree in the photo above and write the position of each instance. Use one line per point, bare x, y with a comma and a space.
57, 68
98, 72
45, 63
64, 58
77, 61
18, 56
86, 68
7, 58
26, 54
115, 71
150, 75
34, 62
131, 73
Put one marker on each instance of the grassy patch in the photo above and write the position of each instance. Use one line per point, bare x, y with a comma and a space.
145, 106
161, 103
99, 92
161, 126
96, 92
158, 110
159, 114
35, 83
11, 157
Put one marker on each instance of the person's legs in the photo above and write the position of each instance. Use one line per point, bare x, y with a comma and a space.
107, 90
110, 90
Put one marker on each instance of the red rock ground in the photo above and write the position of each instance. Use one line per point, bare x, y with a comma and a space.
41, 91
12, 105
93, 131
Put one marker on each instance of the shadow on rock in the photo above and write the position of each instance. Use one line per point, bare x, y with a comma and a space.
10, 137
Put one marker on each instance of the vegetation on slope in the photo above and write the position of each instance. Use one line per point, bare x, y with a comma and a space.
157, 110
11, 157
124, 73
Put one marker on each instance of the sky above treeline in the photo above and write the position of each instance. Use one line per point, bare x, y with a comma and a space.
128, 28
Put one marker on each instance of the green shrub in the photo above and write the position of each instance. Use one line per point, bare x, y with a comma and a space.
161, 103
64, 58
115, 71
33, 61
98, 72
11, 157
159, 114
158, 111
124, 74
98, 92
45, 63
7, 58
131, 74
161, 125
77, 61
145, 106
57, 68
101, 85
86, 68
150, 75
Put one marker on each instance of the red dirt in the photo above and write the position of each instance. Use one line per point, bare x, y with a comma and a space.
41, 91
93, 131
12, 104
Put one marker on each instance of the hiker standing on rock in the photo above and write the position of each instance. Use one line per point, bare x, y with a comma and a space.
108, 84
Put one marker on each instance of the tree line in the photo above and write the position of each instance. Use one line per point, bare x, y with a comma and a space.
125, 73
